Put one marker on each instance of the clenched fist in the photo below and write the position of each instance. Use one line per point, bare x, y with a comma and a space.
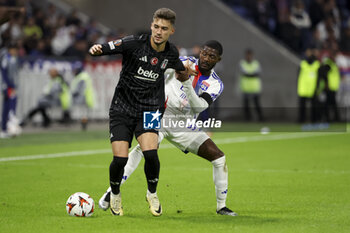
184, 75
96, 49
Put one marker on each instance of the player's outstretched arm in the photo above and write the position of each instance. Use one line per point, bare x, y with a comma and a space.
96, 50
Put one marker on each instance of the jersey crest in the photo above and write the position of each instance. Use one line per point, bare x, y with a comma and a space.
164, 64
204, 86
154, 61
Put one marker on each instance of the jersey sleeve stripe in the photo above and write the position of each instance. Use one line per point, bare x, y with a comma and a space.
192, 59
184, 58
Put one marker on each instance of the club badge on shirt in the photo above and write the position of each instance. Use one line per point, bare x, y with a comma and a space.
154, 61
164, 64
205, 86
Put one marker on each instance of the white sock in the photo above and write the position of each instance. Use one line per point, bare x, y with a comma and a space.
134, 160
220, 177
149, 193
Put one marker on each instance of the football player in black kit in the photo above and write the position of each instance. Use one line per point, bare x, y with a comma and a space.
140, 89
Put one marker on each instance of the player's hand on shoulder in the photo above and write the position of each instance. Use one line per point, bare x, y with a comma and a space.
182, 76
96, 49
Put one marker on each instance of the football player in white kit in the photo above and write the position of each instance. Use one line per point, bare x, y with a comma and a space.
187, 96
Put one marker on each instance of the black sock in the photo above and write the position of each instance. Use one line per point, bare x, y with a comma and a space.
116, 170
152, 167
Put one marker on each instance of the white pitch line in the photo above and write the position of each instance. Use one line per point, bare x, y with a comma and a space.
166, 146
55, 155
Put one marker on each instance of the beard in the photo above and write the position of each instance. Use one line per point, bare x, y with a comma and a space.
207, 68
158, 43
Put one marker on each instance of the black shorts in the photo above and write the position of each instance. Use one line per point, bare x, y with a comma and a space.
122, 127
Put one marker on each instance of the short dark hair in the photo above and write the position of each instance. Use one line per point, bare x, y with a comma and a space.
165, 13
214, 44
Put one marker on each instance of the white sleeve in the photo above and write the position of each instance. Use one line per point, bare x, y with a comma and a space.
197, 103
215, 89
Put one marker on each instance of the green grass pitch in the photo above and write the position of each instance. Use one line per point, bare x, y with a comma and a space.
279, 182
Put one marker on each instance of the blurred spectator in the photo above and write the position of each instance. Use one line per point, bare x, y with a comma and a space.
250, 84
32, 30
299, 17
315, 40
332, 86
12, 30
80, 32
52, 15
345, 39
63, 38
263, 15
83, 93
73, 18
8, 2
316, 12
285, 30
77, 50
327, 27
294, 21
43, 30
28, 5
92, 27
6, 12
301, 21
48, 30
330, 8
9, 67
40, 49
56, 94
39, 17
307, 83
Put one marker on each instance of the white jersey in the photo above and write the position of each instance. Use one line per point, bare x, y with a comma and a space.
176, 99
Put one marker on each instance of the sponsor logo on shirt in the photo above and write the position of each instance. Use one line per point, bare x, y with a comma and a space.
147, 74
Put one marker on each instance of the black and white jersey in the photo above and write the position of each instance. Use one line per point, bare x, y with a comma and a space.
141, 84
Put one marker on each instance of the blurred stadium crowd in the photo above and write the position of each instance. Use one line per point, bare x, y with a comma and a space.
45, 30
300, 24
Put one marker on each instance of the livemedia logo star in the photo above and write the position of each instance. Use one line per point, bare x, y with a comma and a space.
151, 120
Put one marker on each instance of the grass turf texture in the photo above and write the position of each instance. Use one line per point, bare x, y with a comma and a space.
292, 185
